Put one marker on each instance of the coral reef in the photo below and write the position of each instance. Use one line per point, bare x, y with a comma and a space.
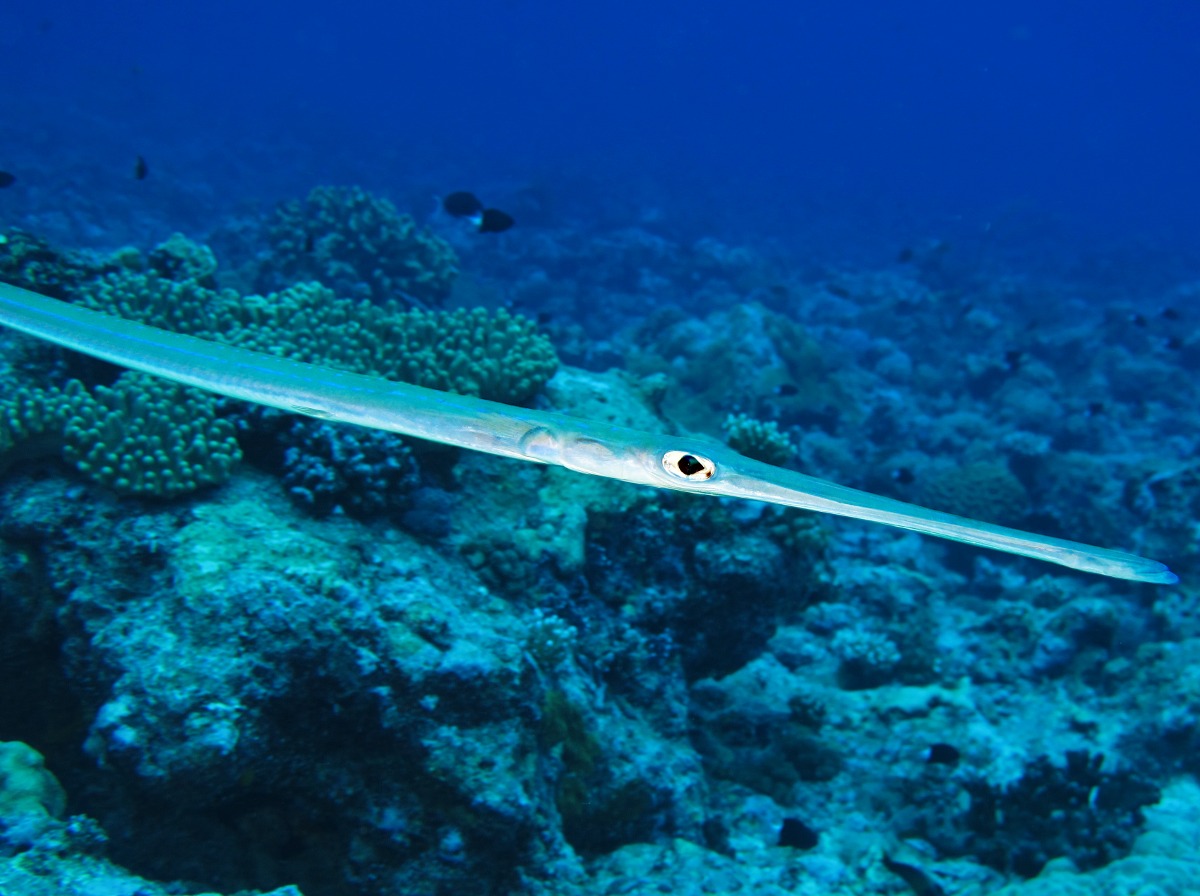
493, 355
364, 473
358, 245
365, 666
181, 259
32, 421
759, 439
868, 657
26, 786
33, 263
982, 491
1075, 810
142, 437
145, 436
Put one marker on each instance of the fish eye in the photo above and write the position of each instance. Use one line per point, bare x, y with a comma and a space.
688, 466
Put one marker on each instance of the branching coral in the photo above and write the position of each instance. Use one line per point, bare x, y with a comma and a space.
34, 264
760, 439
179, 258
363, 472
360, 246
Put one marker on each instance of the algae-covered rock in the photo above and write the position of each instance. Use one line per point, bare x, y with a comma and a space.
27, 787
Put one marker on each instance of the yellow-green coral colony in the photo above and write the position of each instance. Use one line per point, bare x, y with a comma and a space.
473, 352
141, 437
148, 437
152, 438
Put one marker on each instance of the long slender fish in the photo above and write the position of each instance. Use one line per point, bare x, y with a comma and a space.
585, 446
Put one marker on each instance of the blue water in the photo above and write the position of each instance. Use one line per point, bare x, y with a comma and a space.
945, 252
760, 116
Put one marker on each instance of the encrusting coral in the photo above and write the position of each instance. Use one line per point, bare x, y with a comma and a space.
986, 491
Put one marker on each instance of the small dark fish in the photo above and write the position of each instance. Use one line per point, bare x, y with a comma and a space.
310, 242
495, 221
787, 390
836, 290
462, 205
1173, 343
904, 476
942, 754
1138, 320
918, 881
544, 318
1094, 409
141, 170
1013, 358
905, 255
797, 834
7, 179
1168, 314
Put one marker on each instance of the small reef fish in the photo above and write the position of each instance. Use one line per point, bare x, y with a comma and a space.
141, 170
467, 205
495, 221
797, 835
942, 754
918, 881
903, 476
7, 179
462, 205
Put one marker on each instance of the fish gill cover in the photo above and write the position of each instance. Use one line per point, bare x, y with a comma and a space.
937, 251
